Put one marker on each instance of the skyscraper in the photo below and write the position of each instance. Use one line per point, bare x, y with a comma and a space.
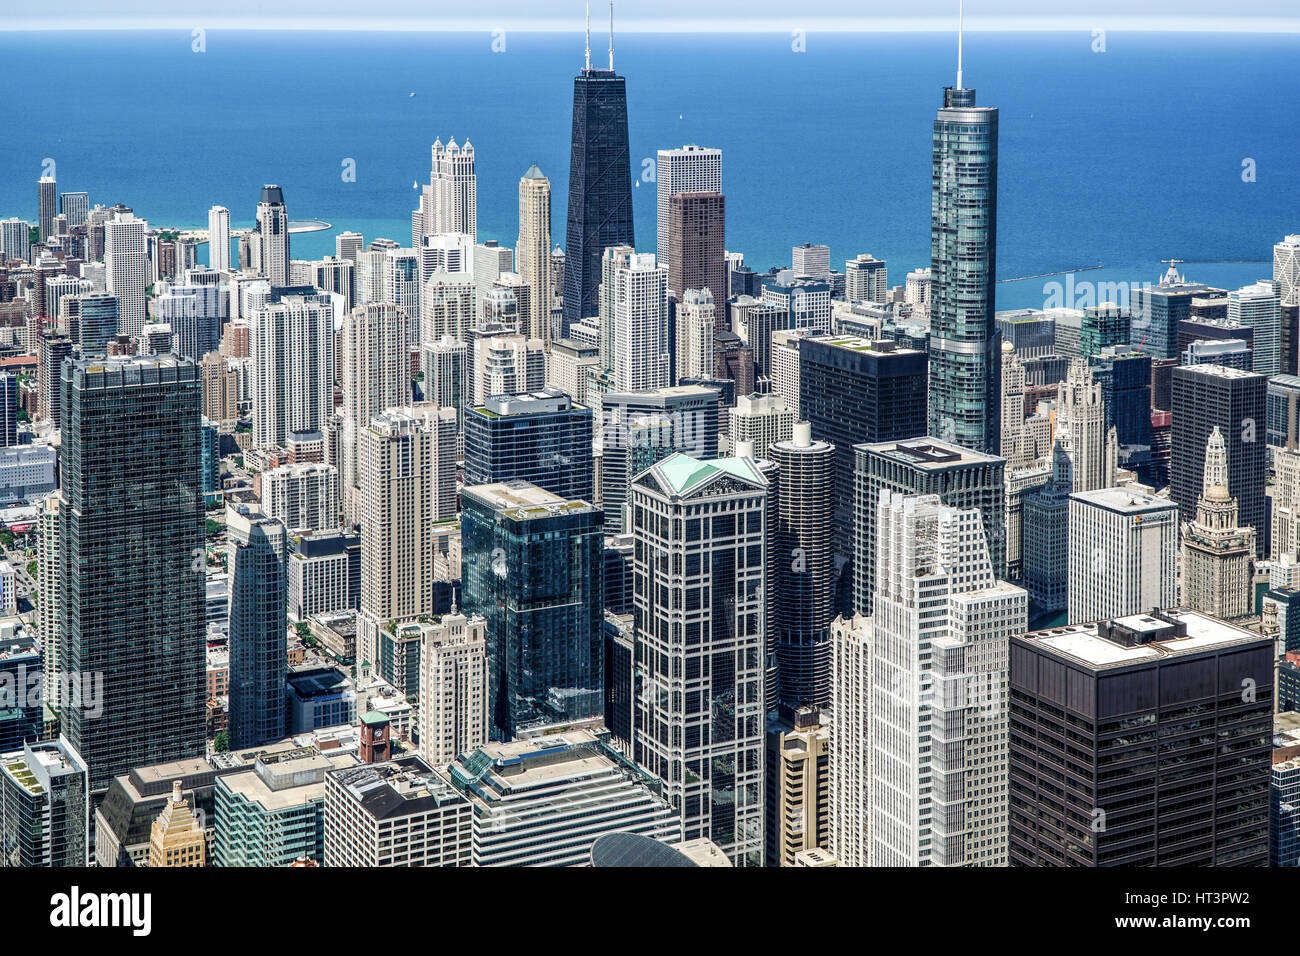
219, 238
533, 251
126, 268
696, 244
1218, 554
453, 688
293, 368
539, 437
866, 279
1258, 307
600, 183
690, 169
74, 206
699, 613
1123, 553
133, 560
641, 356
939, 687
258, 653
273, 236
46, 207
376, 375
449, 203
1095, 699
533, 566
965, 354
850, 749
45, 806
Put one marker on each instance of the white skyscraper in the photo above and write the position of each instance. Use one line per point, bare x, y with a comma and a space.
1123, 554
126, 269
939, 677
1258, 306
696, 327
533, 251
866, 279
489, 261
290, 342
348, 244
850, 749
402, 287
453, 688
507, 365
303, 496
785, 366
690, 169
449, 203
1286, 269
811, 260
219, 238
641, 325
375, 375
272, 256
760, 419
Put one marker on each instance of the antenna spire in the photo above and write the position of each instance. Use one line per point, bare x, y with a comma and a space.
611, 36
961, 28
588, 35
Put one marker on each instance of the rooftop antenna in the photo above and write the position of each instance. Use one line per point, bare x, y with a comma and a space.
611, 36
588, 67
961, 26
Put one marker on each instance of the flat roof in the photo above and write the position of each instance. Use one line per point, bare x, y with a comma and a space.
1085, 644
1125, 500
930, 454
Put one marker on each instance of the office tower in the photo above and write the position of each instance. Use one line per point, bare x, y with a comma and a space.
1217, 553
52, 348
964, 341
939, 674
155, 338
696, 328
1018, 447
1157, 310
1286, 269
1284, 808
1206, 396
505, 365
176, 837
1081, 427
131, 536
407, 463
75, 207
401, 287
1259, 308
1213, 330
220, 392
612, 260
8, 409
45, 196
303, 495
755, 322
219, 238
395, 813
812, 261
540, 437
272, 233
851, 391
785, 367
348, 244
568, 366
687, 420
450, 202
126, 269
324, 575
258, 653
961, 479
376, 374
1032, 332
446, 378
194, 314
271, 812
712, 515
489, 261
61, 288
798, 785
1044, 537
97, 321
806, 301
546, 802
866, 279
45, 805
293, 363
1123, 553
1285, 538
49, 571
640, 340
803, 567
532, 565
690, 169
696, 243
15, 239
1102, 326
849, 836
1282, 408
1079, 693
760, 420
533, 250
600, 184
1234, 353
453, 688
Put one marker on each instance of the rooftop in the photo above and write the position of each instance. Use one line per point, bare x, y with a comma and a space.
931, 454
1125, 500
1139, 638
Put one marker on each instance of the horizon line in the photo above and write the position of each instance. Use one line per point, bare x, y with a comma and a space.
648, 26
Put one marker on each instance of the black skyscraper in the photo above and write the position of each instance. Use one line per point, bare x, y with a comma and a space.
600, 184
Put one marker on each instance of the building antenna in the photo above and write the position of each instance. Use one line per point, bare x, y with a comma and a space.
611, 36
961, 26
588, 67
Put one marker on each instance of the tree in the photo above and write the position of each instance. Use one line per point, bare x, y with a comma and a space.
221, 743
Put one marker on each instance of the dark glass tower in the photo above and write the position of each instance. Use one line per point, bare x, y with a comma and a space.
600, 184
258, 648
965, 345
541, 437
134, 569
533, 565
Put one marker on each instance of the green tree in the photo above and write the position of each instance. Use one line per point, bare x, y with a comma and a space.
221, 743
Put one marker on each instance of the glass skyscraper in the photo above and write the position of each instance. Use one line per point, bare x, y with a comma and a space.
533, 565
132, 586
600, 186
965, 345
258, 619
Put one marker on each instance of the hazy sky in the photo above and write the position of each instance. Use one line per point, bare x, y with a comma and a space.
657, 15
